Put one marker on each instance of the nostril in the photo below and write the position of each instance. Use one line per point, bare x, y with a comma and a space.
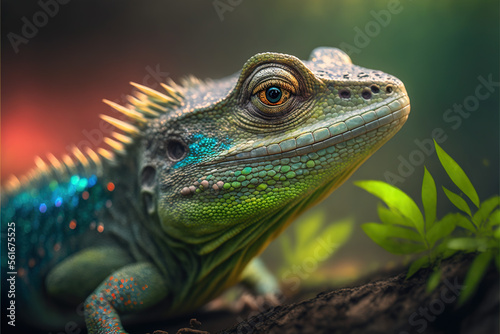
345, 93
389, 89
375, 89
366, 94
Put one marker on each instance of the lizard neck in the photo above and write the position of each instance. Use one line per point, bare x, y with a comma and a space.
231, 257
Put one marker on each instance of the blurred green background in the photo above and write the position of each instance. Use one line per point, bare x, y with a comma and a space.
53, 81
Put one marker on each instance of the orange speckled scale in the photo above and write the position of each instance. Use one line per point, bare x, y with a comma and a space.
125, 291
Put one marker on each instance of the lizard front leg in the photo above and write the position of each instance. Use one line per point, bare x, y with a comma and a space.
132, 288
263, 286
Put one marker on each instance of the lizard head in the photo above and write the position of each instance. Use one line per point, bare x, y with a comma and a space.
240, 157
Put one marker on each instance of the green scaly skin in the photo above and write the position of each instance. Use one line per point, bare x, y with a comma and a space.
208, 175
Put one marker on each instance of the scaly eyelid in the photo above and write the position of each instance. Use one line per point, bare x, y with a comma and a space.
270, 74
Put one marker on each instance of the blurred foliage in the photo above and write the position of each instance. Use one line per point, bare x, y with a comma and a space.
312, 241
404, 230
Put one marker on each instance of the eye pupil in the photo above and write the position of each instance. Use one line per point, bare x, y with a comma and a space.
273, 94
176, 150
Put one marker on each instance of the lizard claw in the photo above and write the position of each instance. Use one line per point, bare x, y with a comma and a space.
257, 302
247, 301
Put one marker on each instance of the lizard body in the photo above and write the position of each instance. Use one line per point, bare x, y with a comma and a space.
200, 178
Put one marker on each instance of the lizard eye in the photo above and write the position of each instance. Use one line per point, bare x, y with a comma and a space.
273, 96
273, 91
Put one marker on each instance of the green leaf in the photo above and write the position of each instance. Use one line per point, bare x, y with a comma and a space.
385, 236
416, 265
497, 261
457, 175
496, 234
441, 229
397, 232
486, 209
448, 253
474, 276
465, 222
458, 201
433, 280
395, 199
468, 244
494, 218
387, 216
429, 198
308, 227
442, 251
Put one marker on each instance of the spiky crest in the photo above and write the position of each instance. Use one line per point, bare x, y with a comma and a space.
145, 104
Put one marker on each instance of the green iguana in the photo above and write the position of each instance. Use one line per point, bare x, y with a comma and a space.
198, 181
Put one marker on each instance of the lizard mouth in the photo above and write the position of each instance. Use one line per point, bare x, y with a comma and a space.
396, 112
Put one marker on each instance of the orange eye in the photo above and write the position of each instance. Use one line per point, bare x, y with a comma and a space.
273, 96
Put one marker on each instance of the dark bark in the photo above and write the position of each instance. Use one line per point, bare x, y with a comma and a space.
392, 305
388, 303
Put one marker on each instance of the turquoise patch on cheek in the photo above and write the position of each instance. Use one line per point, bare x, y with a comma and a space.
201, 148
